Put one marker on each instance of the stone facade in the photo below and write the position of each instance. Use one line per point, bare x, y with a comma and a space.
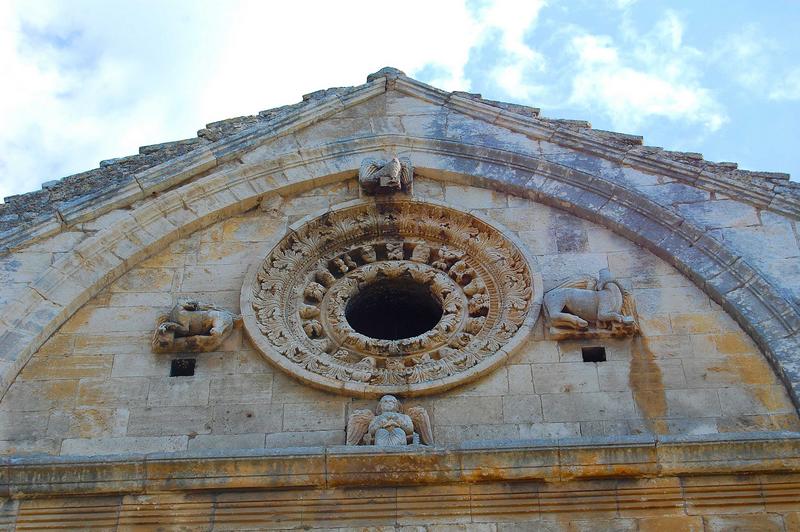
703, 388
96, 385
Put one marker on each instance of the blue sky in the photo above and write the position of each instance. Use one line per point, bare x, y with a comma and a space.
92, 80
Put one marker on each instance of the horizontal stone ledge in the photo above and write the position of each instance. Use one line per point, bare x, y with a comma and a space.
340, 466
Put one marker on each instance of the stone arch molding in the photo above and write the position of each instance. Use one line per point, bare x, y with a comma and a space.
772, 321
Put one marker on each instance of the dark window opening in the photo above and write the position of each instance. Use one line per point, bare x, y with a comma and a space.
594, 354
393, 309
182, 367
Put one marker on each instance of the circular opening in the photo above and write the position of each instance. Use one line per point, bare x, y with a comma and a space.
393, 310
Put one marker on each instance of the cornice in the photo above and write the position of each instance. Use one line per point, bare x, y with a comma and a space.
627, 457
767, 193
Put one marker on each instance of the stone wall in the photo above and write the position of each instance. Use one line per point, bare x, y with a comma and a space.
95, 387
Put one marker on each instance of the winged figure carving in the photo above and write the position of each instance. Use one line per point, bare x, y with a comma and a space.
586, 302
390, 425
379, 177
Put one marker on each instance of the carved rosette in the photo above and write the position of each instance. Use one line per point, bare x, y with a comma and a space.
294, 302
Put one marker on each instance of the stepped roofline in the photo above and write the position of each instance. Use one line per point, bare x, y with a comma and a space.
121, 181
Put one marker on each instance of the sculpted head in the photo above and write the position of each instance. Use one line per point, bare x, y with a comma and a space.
388, 403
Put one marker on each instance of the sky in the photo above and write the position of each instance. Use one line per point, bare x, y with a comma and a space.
85, 81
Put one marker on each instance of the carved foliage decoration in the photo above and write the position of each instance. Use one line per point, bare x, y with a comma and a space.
295, 301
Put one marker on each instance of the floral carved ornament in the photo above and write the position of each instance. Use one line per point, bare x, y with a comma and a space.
295, 302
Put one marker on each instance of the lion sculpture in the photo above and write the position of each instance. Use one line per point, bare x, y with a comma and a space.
193, 326
580, 303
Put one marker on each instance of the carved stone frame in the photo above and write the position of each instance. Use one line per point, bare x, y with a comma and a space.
307, 354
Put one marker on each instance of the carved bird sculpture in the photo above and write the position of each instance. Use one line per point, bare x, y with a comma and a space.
386, 176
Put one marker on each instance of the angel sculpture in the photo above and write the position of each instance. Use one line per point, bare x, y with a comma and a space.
390, 425
380, 177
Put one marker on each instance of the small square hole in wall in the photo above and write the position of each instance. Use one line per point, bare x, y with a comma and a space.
594, 354
182, 367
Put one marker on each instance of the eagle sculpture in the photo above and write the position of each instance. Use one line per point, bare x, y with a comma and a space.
381, 177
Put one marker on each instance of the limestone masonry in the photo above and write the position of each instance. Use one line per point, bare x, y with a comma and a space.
391, 306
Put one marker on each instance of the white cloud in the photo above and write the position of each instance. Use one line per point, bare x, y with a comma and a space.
646, 76
512, 21
787, 87
745, 57
91, 80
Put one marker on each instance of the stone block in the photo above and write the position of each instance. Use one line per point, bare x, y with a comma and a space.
549, 431
112, 343
304, 416
99, 320
292, 391
40, 395
697, 426
113, 392
212, 254
242, 389
762, 244
139, 299
226, 441
474, 198
536, 352
637, 263
178, 391
615, 376
248, 362
695, 322
146, 280
670, 300
560, 267
520, 380
692, 403
494, 383
57, 345
455, 434
127, 444
733, 370
587, 406
169, 421
603, 525
539, 241
88, 422
671, 347
750, 400
565, 377
30, 447
422, 506
722, 213
684, 523
67, 367
16, 425
222, 277
243, 419
468, 410
305, 439
725, 523
522, 409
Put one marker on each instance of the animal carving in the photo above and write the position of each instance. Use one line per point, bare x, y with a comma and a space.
381, 177
193, 326
390, 425
587, 302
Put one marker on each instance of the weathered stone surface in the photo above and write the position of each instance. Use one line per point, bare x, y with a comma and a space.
106, 267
